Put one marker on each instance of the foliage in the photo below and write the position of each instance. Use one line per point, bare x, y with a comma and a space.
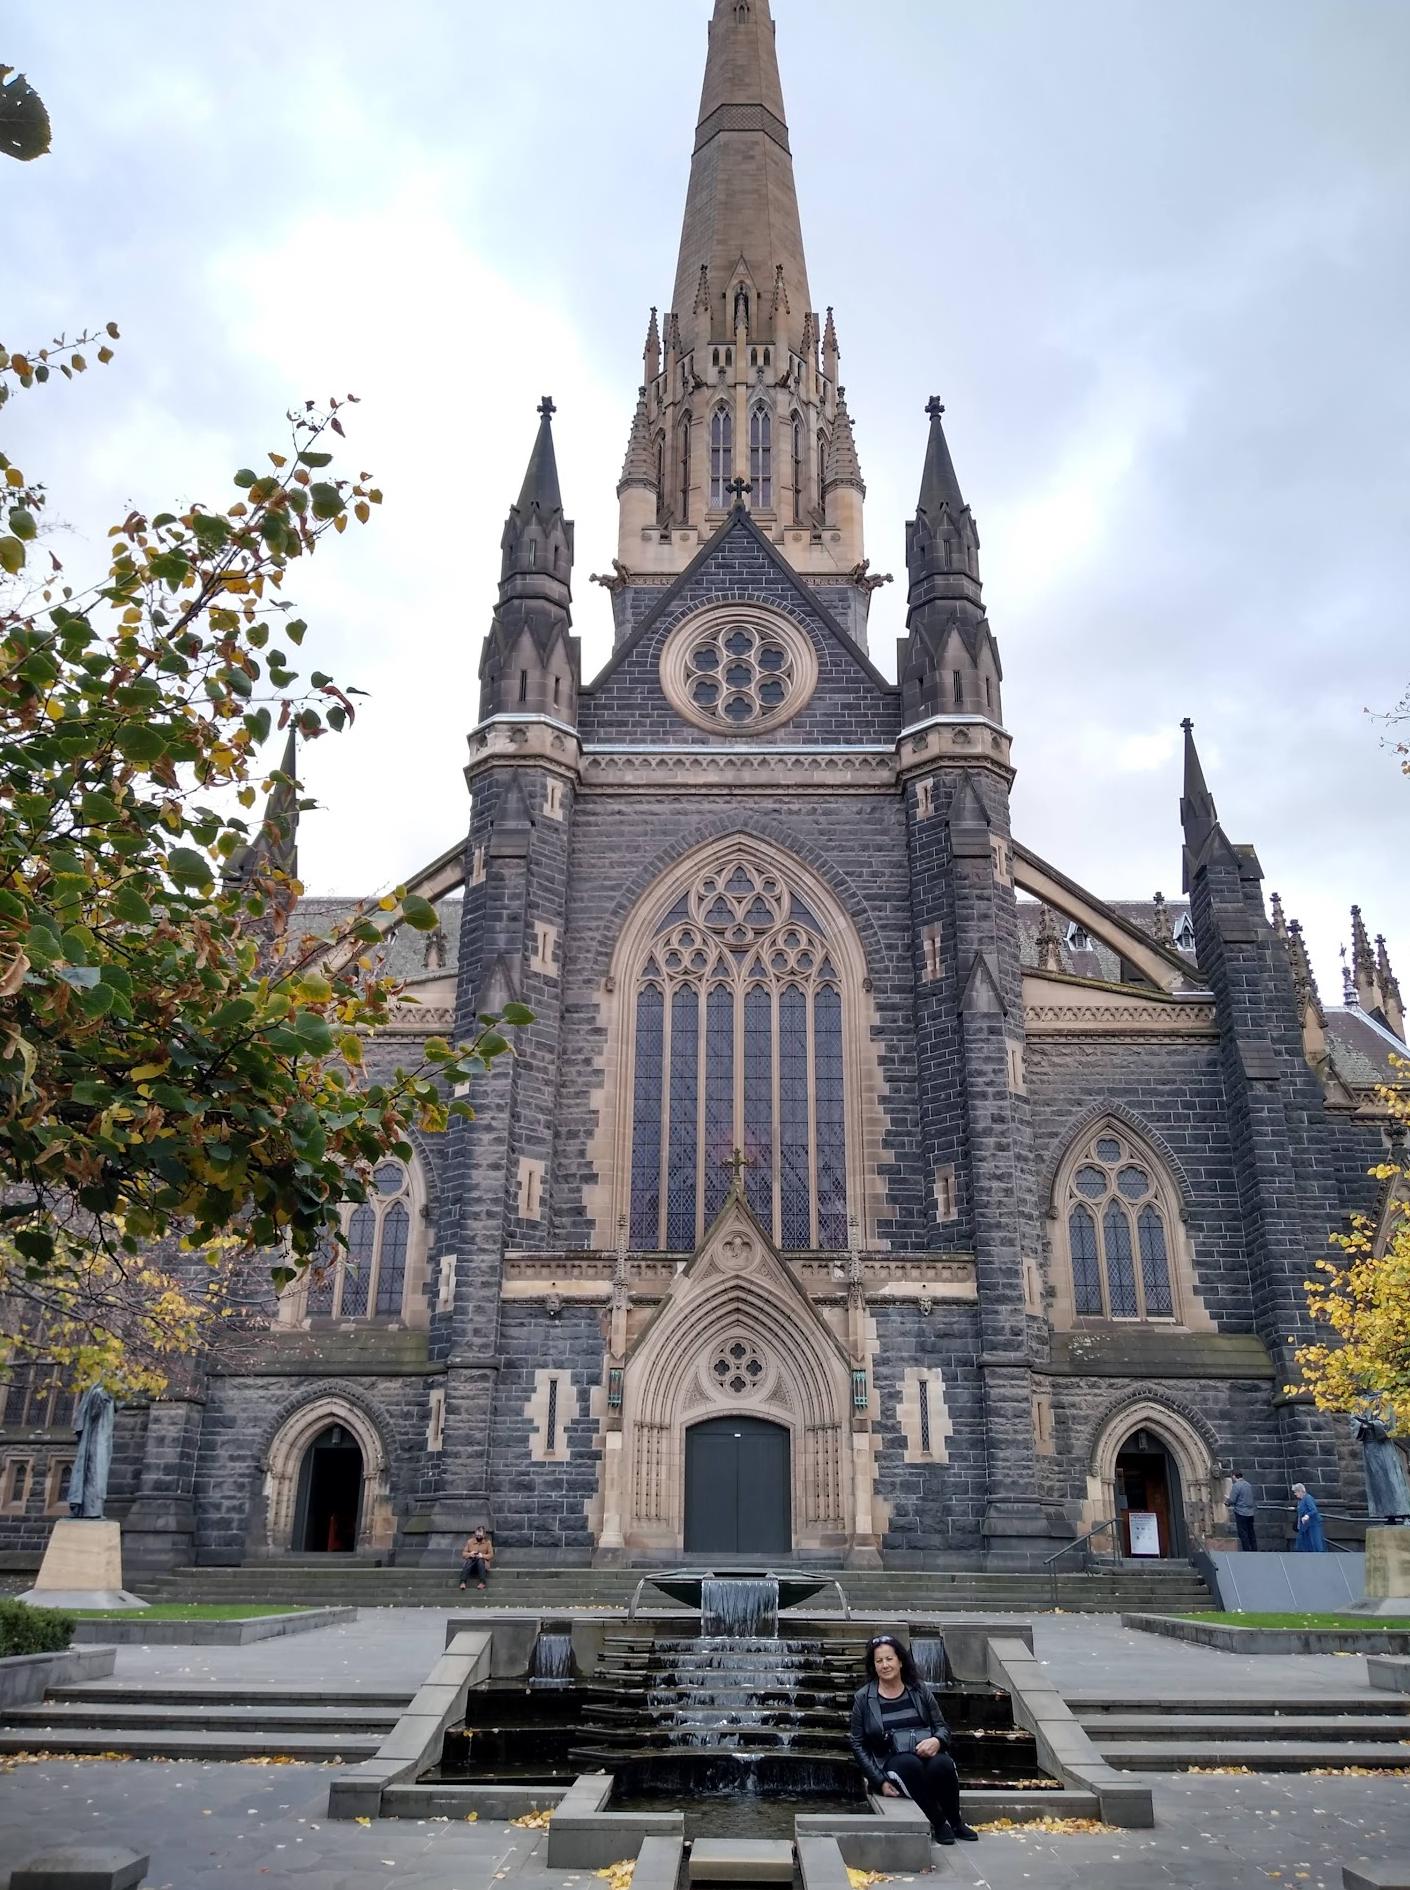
93, 1314
26, 1630
24, 123
175, 1059
1364, 1301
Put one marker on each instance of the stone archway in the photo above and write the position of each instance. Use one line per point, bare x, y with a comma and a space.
376, 1528
1200, 1484
735, 1337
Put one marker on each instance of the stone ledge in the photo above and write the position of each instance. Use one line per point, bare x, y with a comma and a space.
27, 1677
83, 1867
1378, 1874
1250, 1640
239, 1633
1393, 1675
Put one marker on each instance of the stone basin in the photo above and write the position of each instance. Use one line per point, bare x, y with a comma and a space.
686, 1585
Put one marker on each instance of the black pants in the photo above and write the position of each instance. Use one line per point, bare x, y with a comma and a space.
475, 1566
934, 1784
1248, 1532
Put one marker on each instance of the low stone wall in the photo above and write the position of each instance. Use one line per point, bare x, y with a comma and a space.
1256, 1640
1064, 1748
415, 1741
136, 1631
28, 1677
1393, 1675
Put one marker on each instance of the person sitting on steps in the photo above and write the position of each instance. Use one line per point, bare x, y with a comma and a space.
900, 1740
478, 1554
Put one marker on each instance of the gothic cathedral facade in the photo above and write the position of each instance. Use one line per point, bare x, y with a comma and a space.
866, 1191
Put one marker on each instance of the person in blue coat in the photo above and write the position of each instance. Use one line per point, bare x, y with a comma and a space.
1309, 1522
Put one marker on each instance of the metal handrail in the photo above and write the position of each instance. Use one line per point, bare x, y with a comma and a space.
1078, 1542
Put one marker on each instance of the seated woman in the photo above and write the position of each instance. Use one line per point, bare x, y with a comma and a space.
899, 1738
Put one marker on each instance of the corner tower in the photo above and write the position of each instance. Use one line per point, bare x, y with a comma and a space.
741, 378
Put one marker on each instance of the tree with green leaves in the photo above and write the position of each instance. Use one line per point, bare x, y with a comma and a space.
24, 123
178, 1060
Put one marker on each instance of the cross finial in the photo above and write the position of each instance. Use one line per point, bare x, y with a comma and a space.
1188, 726
546, 407
935, 407
737, 1164
739, 487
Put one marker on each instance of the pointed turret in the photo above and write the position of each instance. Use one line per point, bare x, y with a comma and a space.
275, 847
1363, 964
843, 466
1198, 815
1391, 1002
742, 202
651, 353
530, 659
832, 354
950, 664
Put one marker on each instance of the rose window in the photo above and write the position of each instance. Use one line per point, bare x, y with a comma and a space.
738, 1368
739, 671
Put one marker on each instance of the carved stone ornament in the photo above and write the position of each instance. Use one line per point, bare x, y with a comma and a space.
736, 1254
738, 669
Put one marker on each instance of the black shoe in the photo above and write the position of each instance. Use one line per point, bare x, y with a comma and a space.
941, 1834
965, 1831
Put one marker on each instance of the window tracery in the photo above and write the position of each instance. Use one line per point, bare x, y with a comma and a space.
738, 1046
1116, 1216
721, 457
761, 458
368, 1278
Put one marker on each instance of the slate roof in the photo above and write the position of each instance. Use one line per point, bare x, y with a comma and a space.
1362, 1049
1099, 961
405, 953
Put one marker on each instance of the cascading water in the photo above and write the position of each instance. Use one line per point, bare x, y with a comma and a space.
928, 1652
745, 1607
551, 1663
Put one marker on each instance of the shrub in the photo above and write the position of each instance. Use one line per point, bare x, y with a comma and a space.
26, 1630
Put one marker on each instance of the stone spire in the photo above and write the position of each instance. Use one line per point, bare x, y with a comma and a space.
1391, 1003
843, 466
1363, 964
639, 468
530, 662
275, 847
651, 353
951, 663
1198, 815
741, 214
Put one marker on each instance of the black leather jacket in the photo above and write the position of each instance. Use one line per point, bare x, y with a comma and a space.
868, 1737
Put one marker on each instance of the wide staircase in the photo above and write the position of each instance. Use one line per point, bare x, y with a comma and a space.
176, 1719
1155, 1587
1283, 1735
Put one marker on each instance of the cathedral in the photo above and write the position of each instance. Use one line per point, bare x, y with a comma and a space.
866, 1192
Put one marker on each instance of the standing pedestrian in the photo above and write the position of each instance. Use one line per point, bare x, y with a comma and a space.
1243, 1507
1310, 1536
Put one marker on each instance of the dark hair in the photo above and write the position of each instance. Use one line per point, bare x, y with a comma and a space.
909, 1676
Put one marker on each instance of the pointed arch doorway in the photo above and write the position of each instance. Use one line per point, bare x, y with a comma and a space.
738, 1476
329, 1502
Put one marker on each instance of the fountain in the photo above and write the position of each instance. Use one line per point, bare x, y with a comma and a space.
743, 1724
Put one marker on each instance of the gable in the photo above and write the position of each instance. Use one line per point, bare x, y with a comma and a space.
850, 701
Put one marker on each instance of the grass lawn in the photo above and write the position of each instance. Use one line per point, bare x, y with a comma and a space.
1337, 1621
178, 1611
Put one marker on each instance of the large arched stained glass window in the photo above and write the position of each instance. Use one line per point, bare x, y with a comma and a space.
738, 1046
1118, 1232
367, 1279
761, 458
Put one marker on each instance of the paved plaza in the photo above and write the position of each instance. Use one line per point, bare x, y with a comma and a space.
229, 1827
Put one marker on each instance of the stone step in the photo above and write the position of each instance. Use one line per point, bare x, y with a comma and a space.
227, 1694
313, 1748
1092, 1706
60, 1716
1177, 1724
1266, 1755
741, 1860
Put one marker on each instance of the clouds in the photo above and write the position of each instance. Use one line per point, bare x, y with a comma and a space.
1155, 260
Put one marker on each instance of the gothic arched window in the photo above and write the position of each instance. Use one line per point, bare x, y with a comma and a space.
368, 1278
685, 467
761, 457
797, 470
721, 457
822, 471
738, 1046
663, 495
1115, 1211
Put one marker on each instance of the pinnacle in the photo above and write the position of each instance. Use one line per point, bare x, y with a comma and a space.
843, 467
638, 470
939, 486
540, 486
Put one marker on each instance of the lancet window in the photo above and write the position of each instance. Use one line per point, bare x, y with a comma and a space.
761, 458
368, 1278
721, 457
797, 470
738, 1047
685, 445
1117, 1219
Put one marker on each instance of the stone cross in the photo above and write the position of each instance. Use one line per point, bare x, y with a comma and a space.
739, 487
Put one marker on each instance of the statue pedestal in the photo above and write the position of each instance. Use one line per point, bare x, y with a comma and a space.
1387, 1571
82, 1568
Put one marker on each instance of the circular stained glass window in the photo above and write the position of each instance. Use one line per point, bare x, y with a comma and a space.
739, 671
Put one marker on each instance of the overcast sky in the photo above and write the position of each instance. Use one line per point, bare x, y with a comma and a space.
1155, 259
